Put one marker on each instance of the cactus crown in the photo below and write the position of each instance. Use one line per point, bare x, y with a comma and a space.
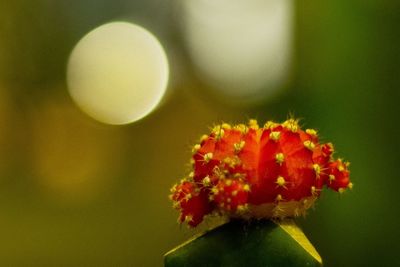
247, 171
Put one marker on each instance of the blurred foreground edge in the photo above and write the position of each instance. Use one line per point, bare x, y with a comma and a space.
247, 243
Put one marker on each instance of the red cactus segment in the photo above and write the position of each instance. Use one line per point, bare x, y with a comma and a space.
277, 170
339, 176
182, 191
230, 195
322, 153
283, 157
191, 201
249, 155
291, 143
327, 150
265, 188
204, 165
225, 147
194, 209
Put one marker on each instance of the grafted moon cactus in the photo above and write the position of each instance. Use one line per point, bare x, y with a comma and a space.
247, 171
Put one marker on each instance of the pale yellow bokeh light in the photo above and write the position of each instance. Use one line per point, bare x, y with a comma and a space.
118, 73
241, 48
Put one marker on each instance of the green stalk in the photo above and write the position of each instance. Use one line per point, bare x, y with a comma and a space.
257, 243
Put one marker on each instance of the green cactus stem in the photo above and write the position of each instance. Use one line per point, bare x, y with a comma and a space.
241, 243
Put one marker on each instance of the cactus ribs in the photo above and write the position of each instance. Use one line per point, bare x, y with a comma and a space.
247, 171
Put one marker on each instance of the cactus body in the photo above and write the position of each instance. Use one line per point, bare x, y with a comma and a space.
247, 171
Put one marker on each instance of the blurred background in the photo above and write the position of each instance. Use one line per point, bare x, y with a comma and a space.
76, 192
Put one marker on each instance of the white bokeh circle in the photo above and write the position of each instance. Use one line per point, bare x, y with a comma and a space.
242, 49
118, 73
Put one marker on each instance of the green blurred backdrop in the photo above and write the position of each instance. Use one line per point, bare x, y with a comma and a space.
75, 192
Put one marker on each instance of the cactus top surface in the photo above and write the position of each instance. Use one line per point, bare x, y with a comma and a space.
248, 171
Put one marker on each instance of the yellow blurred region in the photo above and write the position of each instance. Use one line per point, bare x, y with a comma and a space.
72, 157
6, 128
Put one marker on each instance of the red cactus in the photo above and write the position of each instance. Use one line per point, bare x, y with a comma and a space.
244, 171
